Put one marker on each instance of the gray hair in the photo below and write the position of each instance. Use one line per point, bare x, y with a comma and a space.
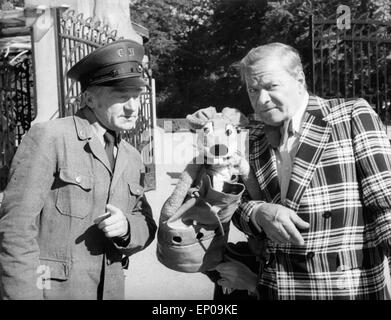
289, 57
95, 90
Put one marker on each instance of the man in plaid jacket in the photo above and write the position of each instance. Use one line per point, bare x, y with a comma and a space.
324, 172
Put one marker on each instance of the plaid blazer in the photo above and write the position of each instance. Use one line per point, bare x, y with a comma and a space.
341, 185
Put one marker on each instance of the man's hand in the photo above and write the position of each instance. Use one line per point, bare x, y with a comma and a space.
236, 275
115, 225
279, 223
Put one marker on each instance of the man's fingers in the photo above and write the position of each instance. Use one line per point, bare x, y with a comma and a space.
276, 237
112, 209
102, 217
107, 222
278, 233
114, 233
296, 237
221, 267
283, 234
226, 268
111, 221
112, 227
300, 223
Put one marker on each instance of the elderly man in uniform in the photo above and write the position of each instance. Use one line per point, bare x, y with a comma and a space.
74, 207
324, 173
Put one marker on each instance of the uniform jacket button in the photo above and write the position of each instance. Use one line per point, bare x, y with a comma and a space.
78, 179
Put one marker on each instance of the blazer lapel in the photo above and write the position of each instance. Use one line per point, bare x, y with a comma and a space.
314, 137
263, 163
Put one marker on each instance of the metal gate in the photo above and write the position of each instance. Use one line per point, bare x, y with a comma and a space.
77, 37
16, 108
353, 62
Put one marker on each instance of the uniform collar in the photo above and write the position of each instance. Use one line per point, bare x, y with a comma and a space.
86, 125
83, 119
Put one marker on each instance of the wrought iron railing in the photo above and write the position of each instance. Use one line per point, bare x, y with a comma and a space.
16, 108
353, 62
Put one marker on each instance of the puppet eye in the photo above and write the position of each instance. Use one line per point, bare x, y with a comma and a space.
238, 130
206, 130
228, 132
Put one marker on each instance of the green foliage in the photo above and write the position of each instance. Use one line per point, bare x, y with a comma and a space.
196, 44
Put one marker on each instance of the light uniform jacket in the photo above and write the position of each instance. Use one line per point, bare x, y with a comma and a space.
60, 181
341, 185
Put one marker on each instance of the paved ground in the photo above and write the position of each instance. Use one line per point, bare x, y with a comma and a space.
147, 278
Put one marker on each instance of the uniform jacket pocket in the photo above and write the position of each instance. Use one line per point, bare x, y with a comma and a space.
54, 269
74, 195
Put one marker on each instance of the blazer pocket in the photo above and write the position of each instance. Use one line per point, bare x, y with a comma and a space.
74, 195
366, 258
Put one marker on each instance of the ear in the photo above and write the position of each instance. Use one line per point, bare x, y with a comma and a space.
235, 116
301, 78
199, 118
88, 99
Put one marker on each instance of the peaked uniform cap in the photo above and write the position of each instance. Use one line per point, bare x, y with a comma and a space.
118, 63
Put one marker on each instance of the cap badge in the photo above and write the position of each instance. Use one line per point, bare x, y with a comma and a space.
121, 52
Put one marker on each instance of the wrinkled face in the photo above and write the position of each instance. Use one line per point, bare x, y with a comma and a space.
116, 108
274, 93
217, 141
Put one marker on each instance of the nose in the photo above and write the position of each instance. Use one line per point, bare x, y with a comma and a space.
132, 104
219, 150
264, 97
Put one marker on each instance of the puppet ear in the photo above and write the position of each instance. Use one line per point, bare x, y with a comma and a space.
198, 119
235, 116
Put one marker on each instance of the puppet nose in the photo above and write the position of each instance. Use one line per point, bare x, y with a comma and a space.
219, 150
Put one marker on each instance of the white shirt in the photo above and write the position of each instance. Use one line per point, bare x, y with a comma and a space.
285, 154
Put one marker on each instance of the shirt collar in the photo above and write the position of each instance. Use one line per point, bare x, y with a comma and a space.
293, 125
299, 115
